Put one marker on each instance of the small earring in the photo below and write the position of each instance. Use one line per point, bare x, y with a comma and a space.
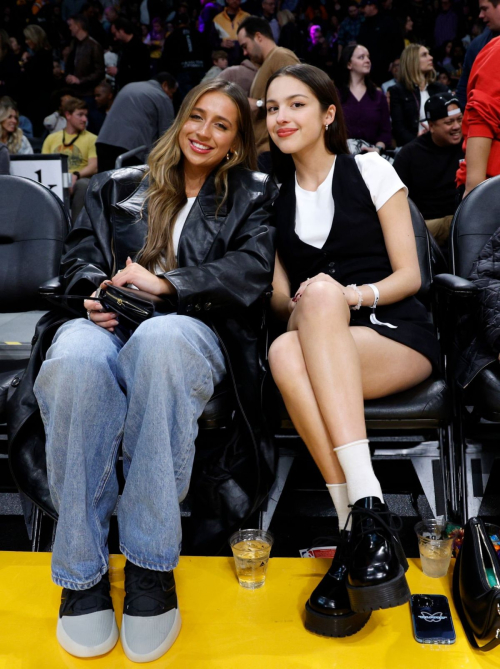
327, 126
228, 155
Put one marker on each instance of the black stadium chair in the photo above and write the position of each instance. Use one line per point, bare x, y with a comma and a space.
413, 425
477, 410
33, 226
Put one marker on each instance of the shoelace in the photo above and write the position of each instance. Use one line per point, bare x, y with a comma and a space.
393, 525
149, 585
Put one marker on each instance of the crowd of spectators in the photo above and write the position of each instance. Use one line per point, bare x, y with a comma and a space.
129, 64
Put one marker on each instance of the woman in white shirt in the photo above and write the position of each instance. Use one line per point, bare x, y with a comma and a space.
345, 244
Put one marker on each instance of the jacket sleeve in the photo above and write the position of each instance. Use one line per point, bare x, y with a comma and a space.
486, 276
240, 277
98, 70
384, 130
88, 258
401, 134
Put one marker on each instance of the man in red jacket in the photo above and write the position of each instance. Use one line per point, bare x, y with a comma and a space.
481, 124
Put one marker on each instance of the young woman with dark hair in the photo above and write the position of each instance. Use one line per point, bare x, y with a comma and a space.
193, 227
344, 285
365, 107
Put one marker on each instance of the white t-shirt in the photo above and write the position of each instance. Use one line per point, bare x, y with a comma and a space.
315, 210
424, 96
179, 222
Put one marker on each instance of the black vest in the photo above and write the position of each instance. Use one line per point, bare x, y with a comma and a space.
354, 251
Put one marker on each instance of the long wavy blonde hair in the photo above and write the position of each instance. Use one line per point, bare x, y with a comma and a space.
14, 139
410, 74
166, 194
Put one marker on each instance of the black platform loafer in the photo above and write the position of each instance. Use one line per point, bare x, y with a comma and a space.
328, 611
376, 575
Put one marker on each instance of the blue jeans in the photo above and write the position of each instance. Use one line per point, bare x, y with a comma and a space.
96, 392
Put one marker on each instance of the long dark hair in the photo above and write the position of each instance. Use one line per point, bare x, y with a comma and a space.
345, 58
325, 92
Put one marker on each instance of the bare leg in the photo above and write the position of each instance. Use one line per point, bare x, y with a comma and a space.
317, 375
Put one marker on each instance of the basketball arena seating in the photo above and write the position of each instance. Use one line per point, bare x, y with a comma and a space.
414, 426
476, 424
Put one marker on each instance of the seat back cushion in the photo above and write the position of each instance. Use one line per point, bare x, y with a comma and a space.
33, 227
476, 219
423, 250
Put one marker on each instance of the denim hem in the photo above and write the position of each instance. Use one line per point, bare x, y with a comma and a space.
146, 564
73, 585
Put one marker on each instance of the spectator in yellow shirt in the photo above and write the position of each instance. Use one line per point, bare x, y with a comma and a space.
79, 145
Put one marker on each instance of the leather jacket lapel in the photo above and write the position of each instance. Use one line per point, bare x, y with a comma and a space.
202, 226
198, 234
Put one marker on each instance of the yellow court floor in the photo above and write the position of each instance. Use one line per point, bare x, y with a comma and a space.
225, 626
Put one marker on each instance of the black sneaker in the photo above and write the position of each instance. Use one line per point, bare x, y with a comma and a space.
87, 625
151, 618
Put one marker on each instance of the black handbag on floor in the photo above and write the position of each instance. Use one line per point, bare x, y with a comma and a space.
476, 584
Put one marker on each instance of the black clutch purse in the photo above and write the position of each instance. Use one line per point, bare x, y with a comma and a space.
476, 584
135, 306
132, 306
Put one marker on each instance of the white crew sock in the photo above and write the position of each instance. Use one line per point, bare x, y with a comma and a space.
356, 464
338, 493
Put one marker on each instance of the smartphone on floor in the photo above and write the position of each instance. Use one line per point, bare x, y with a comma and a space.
432, 621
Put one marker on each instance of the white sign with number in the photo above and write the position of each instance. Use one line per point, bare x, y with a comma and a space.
47, 171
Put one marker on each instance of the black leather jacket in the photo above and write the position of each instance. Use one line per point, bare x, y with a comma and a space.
405, 110
479, 333
226, 262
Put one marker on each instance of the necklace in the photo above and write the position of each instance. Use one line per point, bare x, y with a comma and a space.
72, 141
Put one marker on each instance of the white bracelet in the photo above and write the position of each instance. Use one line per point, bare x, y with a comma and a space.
376, 294
360, 297
373, 318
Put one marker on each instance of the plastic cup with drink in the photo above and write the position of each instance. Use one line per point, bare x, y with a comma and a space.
251, 549
435, 545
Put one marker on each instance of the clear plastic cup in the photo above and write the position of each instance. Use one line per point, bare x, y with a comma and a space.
251, 549
434, 546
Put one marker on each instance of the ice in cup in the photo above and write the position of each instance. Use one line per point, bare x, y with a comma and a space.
435, 547
251, 550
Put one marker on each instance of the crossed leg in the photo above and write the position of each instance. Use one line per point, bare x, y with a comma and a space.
325, 369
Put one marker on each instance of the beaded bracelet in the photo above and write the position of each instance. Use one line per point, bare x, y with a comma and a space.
360, 297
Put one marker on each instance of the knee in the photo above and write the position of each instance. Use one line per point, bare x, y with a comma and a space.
165, 337
286, 359
78, 346
321, 299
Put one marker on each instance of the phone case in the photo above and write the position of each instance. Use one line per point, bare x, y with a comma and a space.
432, 621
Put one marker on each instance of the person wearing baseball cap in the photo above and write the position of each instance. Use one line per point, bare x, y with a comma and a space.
428, 164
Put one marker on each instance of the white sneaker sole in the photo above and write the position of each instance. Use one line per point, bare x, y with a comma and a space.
160, 650
78, 650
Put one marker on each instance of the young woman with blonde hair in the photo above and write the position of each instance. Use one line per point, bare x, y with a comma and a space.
193, 227
11, 134
417, 82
